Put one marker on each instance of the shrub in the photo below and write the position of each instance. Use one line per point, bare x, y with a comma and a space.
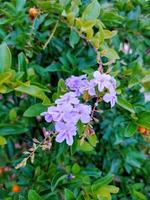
84, 67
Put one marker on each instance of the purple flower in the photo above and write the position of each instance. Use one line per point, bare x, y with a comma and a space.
83, 113
58, 113
47, 116
105, 81
108, 97
89, 87
66, 131
102, 80
68, 98
75, 83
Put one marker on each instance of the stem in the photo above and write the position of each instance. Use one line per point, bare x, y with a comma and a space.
98, 57
94, 108
51, 36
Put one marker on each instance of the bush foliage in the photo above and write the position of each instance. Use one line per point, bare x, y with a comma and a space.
43, 42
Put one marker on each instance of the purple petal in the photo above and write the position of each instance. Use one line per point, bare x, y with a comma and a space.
60, 137
97, 74
60, 126
107, 98
85, 118
69, 139
48, 117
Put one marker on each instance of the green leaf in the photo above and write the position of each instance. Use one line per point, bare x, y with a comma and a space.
5, 58
112, 17
20, 5
73, 38
125, 104
22, 63
7, 129
112, 56
33, 195
5, 77
35, 110
92, 11
64, 2
61, 88
55, 181
139, 195
144, 119
130, 130
85, 146
12, 114
92, 139
102, 182
75, 168
32, 90
109, 34
69, 195
2, 141
112, 189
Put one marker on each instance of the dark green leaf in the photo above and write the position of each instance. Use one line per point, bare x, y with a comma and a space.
33, 195
69, 195
144, 119
125, 104
7, 129
73, 38
130, 130
102, 182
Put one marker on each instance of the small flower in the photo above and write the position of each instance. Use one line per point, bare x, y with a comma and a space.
48, 114
75, 83
89, 87
108, 97
83, 113
68, 98
102, 80
66, 131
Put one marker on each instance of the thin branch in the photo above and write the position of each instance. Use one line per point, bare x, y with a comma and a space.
51, 36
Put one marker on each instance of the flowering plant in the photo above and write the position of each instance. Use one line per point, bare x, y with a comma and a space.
68, 110
84, 67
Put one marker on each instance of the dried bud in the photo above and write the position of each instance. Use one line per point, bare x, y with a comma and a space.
90, 131
21, 164
86, 96
142, 130
33, 13
16, 188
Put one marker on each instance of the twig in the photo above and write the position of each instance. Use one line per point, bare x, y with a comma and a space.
51, 36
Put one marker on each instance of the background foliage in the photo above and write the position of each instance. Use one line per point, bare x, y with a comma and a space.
36, 54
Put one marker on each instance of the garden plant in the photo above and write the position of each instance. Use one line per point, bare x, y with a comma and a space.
74, 99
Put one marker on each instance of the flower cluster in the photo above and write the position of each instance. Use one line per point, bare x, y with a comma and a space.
105, 81
80, 84
66, 114
68, 110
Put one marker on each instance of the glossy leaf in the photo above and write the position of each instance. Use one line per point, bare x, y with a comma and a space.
5, 58
2, 141
33, 195
35, 110
73, 38
130, 130
69, 195
92, 11
101, 182
8, 129
125, 104
144, 119
31, 90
